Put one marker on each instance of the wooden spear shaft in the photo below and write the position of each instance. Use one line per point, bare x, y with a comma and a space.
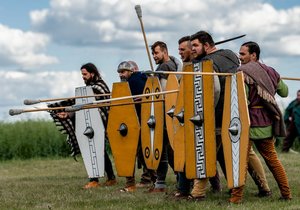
135, 96
189, 73
94, 104
88, 106
20, 111
290, 78
139, 14
207, 73
35, 101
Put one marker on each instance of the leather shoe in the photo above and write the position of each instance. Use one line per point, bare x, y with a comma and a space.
110, 182
92, 184
262, 194
157, 190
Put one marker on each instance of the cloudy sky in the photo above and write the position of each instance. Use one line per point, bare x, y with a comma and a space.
43, 43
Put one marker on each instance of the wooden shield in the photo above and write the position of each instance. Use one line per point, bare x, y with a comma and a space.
152, 120
235, 130
123, 130
170, 101
90, 131
199, 122
178, 123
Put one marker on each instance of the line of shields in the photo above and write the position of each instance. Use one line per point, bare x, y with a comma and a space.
185, 108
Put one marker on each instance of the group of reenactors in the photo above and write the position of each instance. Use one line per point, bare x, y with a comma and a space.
213, 106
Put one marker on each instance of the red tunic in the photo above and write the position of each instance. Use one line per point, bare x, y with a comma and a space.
260, 116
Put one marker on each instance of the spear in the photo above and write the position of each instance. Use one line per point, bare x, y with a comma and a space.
138, 10
207, 73
94, 104
79, 106
188, 73
228, 40
290, 78
36, 101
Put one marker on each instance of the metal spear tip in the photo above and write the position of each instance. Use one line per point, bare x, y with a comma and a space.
30, 102
13, 112
74, 108
138, 10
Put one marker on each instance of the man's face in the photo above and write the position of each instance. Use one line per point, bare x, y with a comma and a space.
198, 49
245, 56
87, 76
158, 55
185, 51
124, 74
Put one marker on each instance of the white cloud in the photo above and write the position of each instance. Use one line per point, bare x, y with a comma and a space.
290, 44
38, 85
18, 86
23, 48
38, 16
108, 31
115, 24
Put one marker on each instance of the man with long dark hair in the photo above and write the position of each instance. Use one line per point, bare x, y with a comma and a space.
91, 77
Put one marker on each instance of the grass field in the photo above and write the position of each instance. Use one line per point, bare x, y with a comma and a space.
57, 184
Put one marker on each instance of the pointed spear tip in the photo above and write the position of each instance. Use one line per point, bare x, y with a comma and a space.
138, 10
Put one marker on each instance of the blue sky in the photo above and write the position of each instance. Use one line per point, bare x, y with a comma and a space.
44, 43
16, 15
283, 4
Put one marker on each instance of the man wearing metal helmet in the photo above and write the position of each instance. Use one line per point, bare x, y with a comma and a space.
129, 71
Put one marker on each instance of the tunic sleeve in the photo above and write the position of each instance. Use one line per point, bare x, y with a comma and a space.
282, 89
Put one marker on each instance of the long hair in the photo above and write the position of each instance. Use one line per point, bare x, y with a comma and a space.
91, 68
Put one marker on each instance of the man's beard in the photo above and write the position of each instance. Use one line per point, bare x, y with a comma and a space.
88, 81
159, 61
202, 55
123, 79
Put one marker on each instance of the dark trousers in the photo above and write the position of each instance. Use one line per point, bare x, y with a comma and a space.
108, 167
148, 175
167, 157
292, 134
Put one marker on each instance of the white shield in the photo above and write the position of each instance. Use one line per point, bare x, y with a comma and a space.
90, 131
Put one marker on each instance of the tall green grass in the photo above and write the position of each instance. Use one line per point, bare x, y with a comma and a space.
41, 138
32, 138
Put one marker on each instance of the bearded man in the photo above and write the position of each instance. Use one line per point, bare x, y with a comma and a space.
66, 120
